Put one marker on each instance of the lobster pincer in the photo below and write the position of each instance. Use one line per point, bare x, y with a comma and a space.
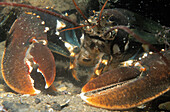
26, 47
128, 87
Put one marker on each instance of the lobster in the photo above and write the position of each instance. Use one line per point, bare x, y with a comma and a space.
104, 43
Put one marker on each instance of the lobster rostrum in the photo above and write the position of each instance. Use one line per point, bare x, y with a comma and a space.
107, 41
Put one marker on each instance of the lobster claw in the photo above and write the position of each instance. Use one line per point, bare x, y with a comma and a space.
128, 87
25, 48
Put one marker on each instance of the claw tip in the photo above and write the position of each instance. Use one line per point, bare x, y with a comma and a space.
37, 91
83, 96
46, 86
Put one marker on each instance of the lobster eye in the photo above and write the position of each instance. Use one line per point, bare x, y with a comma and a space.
92, 13
111, 18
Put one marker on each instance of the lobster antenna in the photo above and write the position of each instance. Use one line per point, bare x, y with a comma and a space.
73, 28
79, 10
126, 29
39, 9
102, 11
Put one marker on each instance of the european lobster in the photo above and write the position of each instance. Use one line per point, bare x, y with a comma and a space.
109, 35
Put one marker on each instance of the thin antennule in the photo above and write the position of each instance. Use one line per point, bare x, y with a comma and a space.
39, 9
79, 10
73, 28
102, 11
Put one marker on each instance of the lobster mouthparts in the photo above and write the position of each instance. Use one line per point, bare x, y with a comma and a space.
128, 87
27, 46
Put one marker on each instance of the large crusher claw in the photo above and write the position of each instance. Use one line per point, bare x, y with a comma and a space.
25, 48
128, 87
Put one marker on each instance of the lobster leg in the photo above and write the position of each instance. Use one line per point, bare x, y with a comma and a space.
101, 65
127, 87
26, 46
